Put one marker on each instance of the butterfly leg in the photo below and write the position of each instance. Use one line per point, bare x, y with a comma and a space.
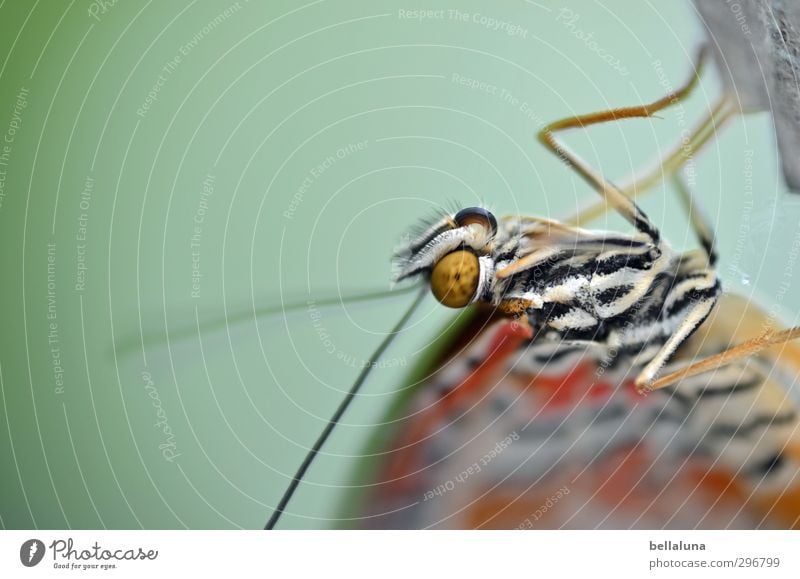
667, 165
702, 288
729, 356
702, 228
612, 195
687, 146
703, 293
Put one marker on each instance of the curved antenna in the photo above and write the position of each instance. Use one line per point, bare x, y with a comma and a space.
130, 342
334, 420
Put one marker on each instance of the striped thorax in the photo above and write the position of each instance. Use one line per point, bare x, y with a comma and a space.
626, 292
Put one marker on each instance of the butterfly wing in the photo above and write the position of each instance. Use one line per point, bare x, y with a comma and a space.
509, 433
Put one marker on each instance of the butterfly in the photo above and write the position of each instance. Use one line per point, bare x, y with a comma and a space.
602, 379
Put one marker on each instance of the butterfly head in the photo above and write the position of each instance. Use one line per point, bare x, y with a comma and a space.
454, 255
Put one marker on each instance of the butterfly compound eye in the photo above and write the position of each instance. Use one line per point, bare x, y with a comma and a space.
477, 215
455, 278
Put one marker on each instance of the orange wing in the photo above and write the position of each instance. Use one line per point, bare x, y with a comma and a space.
513, 433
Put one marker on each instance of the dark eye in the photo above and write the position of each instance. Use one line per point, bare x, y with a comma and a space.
478, 215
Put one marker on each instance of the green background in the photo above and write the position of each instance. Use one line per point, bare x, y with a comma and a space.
184, 403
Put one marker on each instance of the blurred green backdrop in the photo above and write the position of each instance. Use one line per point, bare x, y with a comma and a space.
169, 171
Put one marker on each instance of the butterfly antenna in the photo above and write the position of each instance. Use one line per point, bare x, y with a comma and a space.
334, 420
129, 343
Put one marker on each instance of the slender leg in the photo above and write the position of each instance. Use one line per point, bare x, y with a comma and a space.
699, 312
694, 317
743, 350
612, 195
680, 153
702, 228
723, 110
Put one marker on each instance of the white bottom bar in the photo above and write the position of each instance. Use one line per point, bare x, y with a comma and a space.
400, 554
